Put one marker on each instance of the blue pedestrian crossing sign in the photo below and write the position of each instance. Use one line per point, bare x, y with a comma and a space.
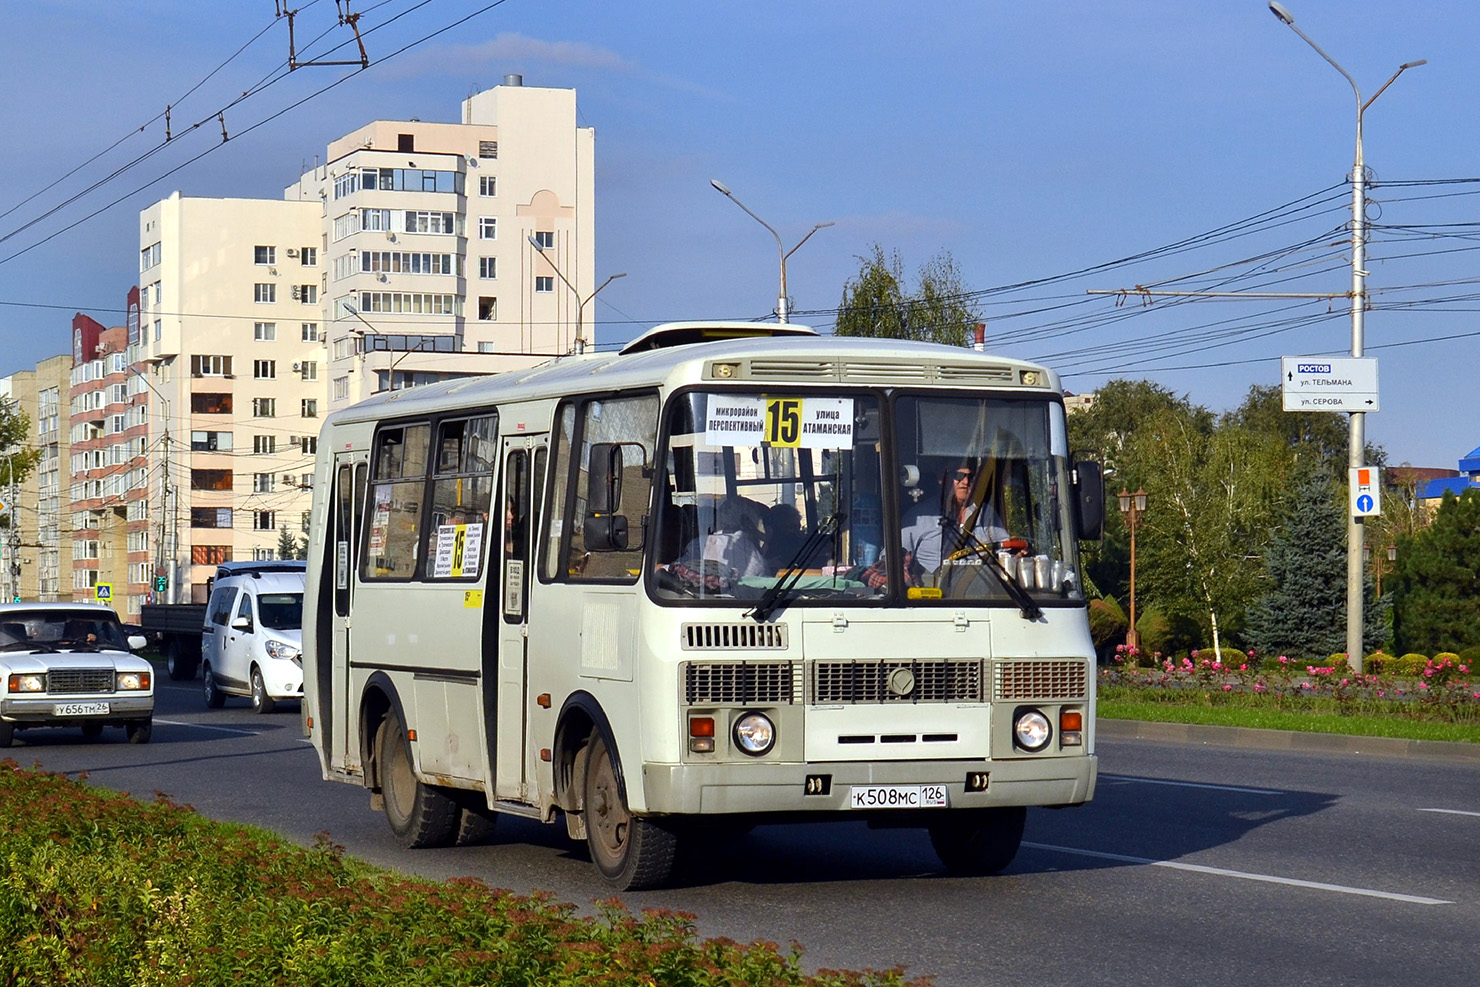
103, 592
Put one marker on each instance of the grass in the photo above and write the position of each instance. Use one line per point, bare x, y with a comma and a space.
1283, 719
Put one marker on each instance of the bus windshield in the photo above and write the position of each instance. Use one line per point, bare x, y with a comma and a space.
760, 487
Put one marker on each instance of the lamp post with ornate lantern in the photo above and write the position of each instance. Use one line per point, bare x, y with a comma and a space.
1132, 506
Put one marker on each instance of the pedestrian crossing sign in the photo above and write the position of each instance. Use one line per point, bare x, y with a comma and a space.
103, 592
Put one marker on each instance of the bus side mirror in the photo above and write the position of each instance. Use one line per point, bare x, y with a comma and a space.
604, 478
607, 533
1089, 500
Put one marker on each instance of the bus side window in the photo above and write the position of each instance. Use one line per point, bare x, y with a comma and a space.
396, 500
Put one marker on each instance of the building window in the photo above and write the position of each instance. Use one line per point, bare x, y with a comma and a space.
311, 332
210, 517
308, 256
264, 444
305, 481
488, 268
264, 332
487, 228
264, 369
308, 371
264, 520
309, 444
210, 441
405, 262
308, 294
341, 388
544, 283
265, 293
487, 308
410, 303
210, 479
377, 220
544, 238
488, 149
486, 346
309, 408
209, 554
264, 255
158, 329
149, 257
264, 407
488, 185
206, 365
264, 482
210, 404
431, 222
406, 143
263, 555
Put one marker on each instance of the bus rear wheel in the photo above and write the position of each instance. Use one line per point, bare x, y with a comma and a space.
979, 841
631, 853
420, 815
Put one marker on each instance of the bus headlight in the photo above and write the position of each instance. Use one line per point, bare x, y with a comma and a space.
34, 682
755, 734
1031, 730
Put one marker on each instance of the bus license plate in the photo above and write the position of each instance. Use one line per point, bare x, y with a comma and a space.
80, 709
897, 797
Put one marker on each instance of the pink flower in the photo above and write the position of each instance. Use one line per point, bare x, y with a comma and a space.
1284, 660
1428, 671
1380, 693
1243, 668
1251, 652
1305, 685
1423, 685
1464, 669
1227, 688
1259, 687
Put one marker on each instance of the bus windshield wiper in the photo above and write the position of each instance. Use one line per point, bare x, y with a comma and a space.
1029, 607
789, 577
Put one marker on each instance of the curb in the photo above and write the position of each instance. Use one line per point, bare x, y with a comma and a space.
1250, 738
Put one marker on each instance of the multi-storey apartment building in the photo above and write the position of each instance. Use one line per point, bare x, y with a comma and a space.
108, 466
231, 350
455, 248
31, 554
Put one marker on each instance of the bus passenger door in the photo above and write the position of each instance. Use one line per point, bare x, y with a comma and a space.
336, 709
519, 495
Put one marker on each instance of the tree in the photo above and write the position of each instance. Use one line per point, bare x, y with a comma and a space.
287, 546
1213, 498
1436, 586
16, 461
1317, 435
877, 303
1303, 613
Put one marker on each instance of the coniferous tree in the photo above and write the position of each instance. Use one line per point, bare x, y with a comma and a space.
287, 546
1302, 614
1436, 592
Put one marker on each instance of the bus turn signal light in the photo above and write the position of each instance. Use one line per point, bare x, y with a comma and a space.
1071, 727
701, 734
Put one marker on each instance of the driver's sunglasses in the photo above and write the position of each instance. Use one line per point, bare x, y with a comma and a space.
962, 475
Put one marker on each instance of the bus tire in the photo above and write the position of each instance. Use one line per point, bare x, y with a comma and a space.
630, 853
475, 823
979, 841
420, 815
214, 697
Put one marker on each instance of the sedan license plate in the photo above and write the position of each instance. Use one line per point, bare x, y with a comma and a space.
897, 797
80, 709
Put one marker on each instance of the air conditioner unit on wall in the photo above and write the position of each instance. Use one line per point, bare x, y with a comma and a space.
297, 367
292, 251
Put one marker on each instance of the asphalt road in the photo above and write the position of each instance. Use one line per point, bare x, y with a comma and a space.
1194, 865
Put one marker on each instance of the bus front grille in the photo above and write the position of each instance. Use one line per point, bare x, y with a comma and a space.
740, 683
897, 681
744, 636
1067, 679
79, 681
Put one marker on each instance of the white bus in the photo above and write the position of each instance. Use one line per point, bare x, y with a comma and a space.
703, 583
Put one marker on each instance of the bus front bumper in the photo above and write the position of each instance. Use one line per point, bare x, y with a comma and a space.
731, 788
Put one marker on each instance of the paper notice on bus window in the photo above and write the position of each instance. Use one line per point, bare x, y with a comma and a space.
381, 519
779, 421
459, 547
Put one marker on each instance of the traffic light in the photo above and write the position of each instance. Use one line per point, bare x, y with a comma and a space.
160, 583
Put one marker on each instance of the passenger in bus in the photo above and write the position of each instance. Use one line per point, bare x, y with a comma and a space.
735, 542
784, 539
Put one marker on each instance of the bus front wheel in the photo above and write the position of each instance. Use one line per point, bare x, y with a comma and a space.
979, 841
631, 853
420, 815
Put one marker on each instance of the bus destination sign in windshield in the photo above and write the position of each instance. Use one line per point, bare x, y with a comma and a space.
779, 421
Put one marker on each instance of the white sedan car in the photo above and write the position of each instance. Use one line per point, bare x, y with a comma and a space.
70, 664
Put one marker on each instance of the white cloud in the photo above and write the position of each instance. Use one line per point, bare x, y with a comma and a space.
516, 51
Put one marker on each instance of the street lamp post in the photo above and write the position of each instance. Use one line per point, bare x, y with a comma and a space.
782, 305
171, 579
1132, 505
580, 341
391, 373
1357, 440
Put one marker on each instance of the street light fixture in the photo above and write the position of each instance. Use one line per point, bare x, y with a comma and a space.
171, 585
781, 301
1132, 505
580, 341
1357, 440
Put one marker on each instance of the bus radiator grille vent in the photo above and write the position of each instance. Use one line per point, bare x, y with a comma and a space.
740, 683
886, 372
897, 681
793, 369
78, 681
1041, 680
968, 374
746, 636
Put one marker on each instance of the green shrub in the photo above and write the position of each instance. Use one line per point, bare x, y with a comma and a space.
1107, 622
1376, 663
96, 888
1410, 664
1470, 657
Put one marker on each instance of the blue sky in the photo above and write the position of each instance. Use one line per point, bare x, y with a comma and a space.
1029, 141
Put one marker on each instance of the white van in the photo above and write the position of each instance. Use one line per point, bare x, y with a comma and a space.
252, 643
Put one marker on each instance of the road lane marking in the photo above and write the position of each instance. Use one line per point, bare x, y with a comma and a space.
1191, 784
1452, 812
1243, 875
202, 726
